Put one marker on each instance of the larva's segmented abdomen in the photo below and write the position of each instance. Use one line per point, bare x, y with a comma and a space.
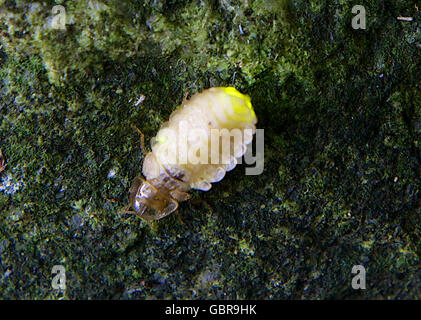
202, 139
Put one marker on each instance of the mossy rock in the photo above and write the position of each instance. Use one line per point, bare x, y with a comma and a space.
341, 113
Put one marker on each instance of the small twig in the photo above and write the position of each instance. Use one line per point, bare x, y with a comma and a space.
408, 19
140, 100
179, 217
142, 137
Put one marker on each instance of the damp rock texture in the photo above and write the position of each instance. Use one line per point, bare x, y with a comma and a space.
340, 109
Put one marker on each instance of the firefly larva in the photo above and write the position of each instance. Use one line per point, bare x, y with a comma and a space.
219, 109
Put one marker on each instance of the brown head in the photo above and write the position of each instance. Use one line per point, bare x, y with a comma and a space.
150, 202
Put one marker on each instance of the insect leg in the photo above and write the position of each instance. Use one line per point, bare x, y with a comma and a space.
177, 212
126, 210
148, 222
142, 137
180, 195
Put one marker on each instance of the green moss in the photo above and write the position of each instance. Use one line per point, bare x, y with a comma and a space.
341, 113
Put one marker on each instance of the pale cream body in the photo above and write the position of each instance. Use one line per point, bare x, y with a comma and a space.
214, 108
